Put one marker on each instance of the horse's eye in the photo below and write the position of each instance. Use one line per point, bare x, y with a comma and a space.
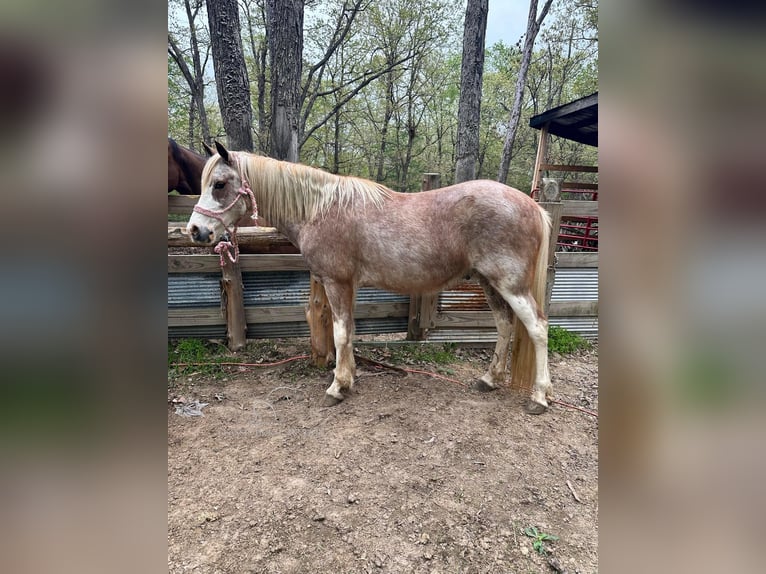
219, 185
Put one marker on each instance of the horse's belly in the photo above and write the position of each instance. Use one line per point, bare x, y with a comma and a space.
406, 280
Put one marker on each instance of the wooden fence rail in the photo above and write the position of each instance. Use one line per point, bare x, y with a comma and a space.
265, 251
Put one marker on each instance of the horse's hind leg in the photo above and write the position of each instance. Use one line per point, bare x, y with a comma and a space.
341, 299
528, 311
495, 375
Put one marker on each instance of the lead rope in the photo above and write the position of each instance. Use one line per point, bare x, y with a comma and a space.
225, 246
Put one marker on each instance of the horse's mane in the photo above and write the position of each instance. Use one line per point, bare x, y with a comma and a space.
291, 192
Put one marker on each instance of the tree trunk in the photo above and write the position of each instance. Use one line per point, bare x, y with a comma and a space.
231, 73
533, 27
259, 52
469, 107
387, 114
284, 25
195, 79
198, 91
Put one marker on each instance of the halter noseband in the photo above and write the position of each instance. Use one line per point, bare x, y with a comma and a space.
225, 244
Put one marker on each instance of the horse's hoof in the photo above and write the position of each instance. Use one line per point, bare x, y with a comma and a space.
330, 401
534, 408
483, 386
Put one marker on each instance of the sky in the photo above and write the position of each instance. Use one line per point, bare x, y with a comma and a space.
506, 21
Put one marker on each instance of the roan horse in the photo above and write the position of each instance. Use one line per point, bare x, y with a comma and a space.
353, 232
184, 169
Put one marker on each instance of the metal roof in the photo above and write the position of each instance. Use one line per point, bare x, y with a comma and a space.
576, 121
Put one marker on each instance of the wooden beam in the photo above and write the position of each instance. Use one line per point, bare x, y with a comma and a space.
580, 208
430, 181
565, 185
574, 308
484, 319
250, 239
423, 307
569, 259
541, 158
247, 262
295, 313
561, 167
318, 314
194, 264
195, 316
233, 305
554, 209
273, 262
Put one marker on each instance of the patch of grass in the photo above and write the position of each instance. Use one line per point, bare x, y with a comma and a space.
178, 217
565, 342
540, 538
184, 353
424, 353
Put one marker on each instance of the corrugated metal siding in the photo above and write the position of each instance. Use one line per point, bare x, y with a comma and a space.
198, 332
289, 288
468, 296
194, 290
301, 329
292, 288
586, 327
571, 284
575, 284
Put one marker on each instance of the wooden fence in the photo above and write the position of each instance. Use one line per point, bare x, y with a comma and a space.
276, 284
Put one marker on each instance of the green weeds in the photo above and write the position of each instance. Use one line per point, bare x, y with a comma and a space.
539, 539
565, 342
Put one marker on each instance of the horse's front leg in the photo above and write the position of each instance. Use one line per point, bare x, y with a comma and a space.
341, 299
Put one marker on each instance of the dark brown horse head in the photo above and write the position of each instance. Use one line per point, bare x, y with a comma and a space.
184, 169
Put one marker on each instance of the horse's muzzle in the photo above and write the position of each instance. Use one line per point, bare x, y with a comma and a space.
200, 234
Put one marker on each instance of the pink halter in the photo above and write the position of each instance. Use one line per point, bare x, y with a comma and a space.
244, 191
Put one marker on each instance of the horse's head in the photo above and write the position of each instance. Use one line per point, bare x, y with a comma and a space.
224, 199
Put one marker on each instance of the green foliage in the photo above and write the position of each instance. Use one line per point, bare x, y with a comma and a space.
565, 342
198, 356
539, 539
405, 120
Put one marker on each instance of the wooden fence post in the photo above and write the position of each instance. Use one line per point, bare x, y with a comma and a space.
319, 318
550, 200
233, 305
423, 307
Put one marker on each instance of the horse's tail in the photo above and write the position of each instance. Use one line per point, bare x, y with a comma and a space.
523, 369
541, 266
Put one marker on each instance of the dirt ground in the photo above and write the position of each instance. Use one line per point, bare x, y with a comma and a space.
410, 474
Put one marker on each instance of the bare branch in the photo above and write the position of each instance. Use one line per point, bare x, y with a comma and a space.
339, 35
340, 103
177, 55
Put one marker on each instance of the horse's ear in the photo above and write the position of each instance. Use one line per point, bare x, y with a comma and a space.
210, 151
222, 151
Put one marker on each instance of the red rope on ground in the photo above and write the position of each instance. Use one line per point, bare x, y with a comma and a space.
282, 362
563, 404
415, 371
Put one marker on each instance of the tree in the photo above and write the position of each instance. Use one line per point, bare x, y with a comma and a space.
230, 73
259, 49
284, 29
469, 107
194, 76
534, 21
